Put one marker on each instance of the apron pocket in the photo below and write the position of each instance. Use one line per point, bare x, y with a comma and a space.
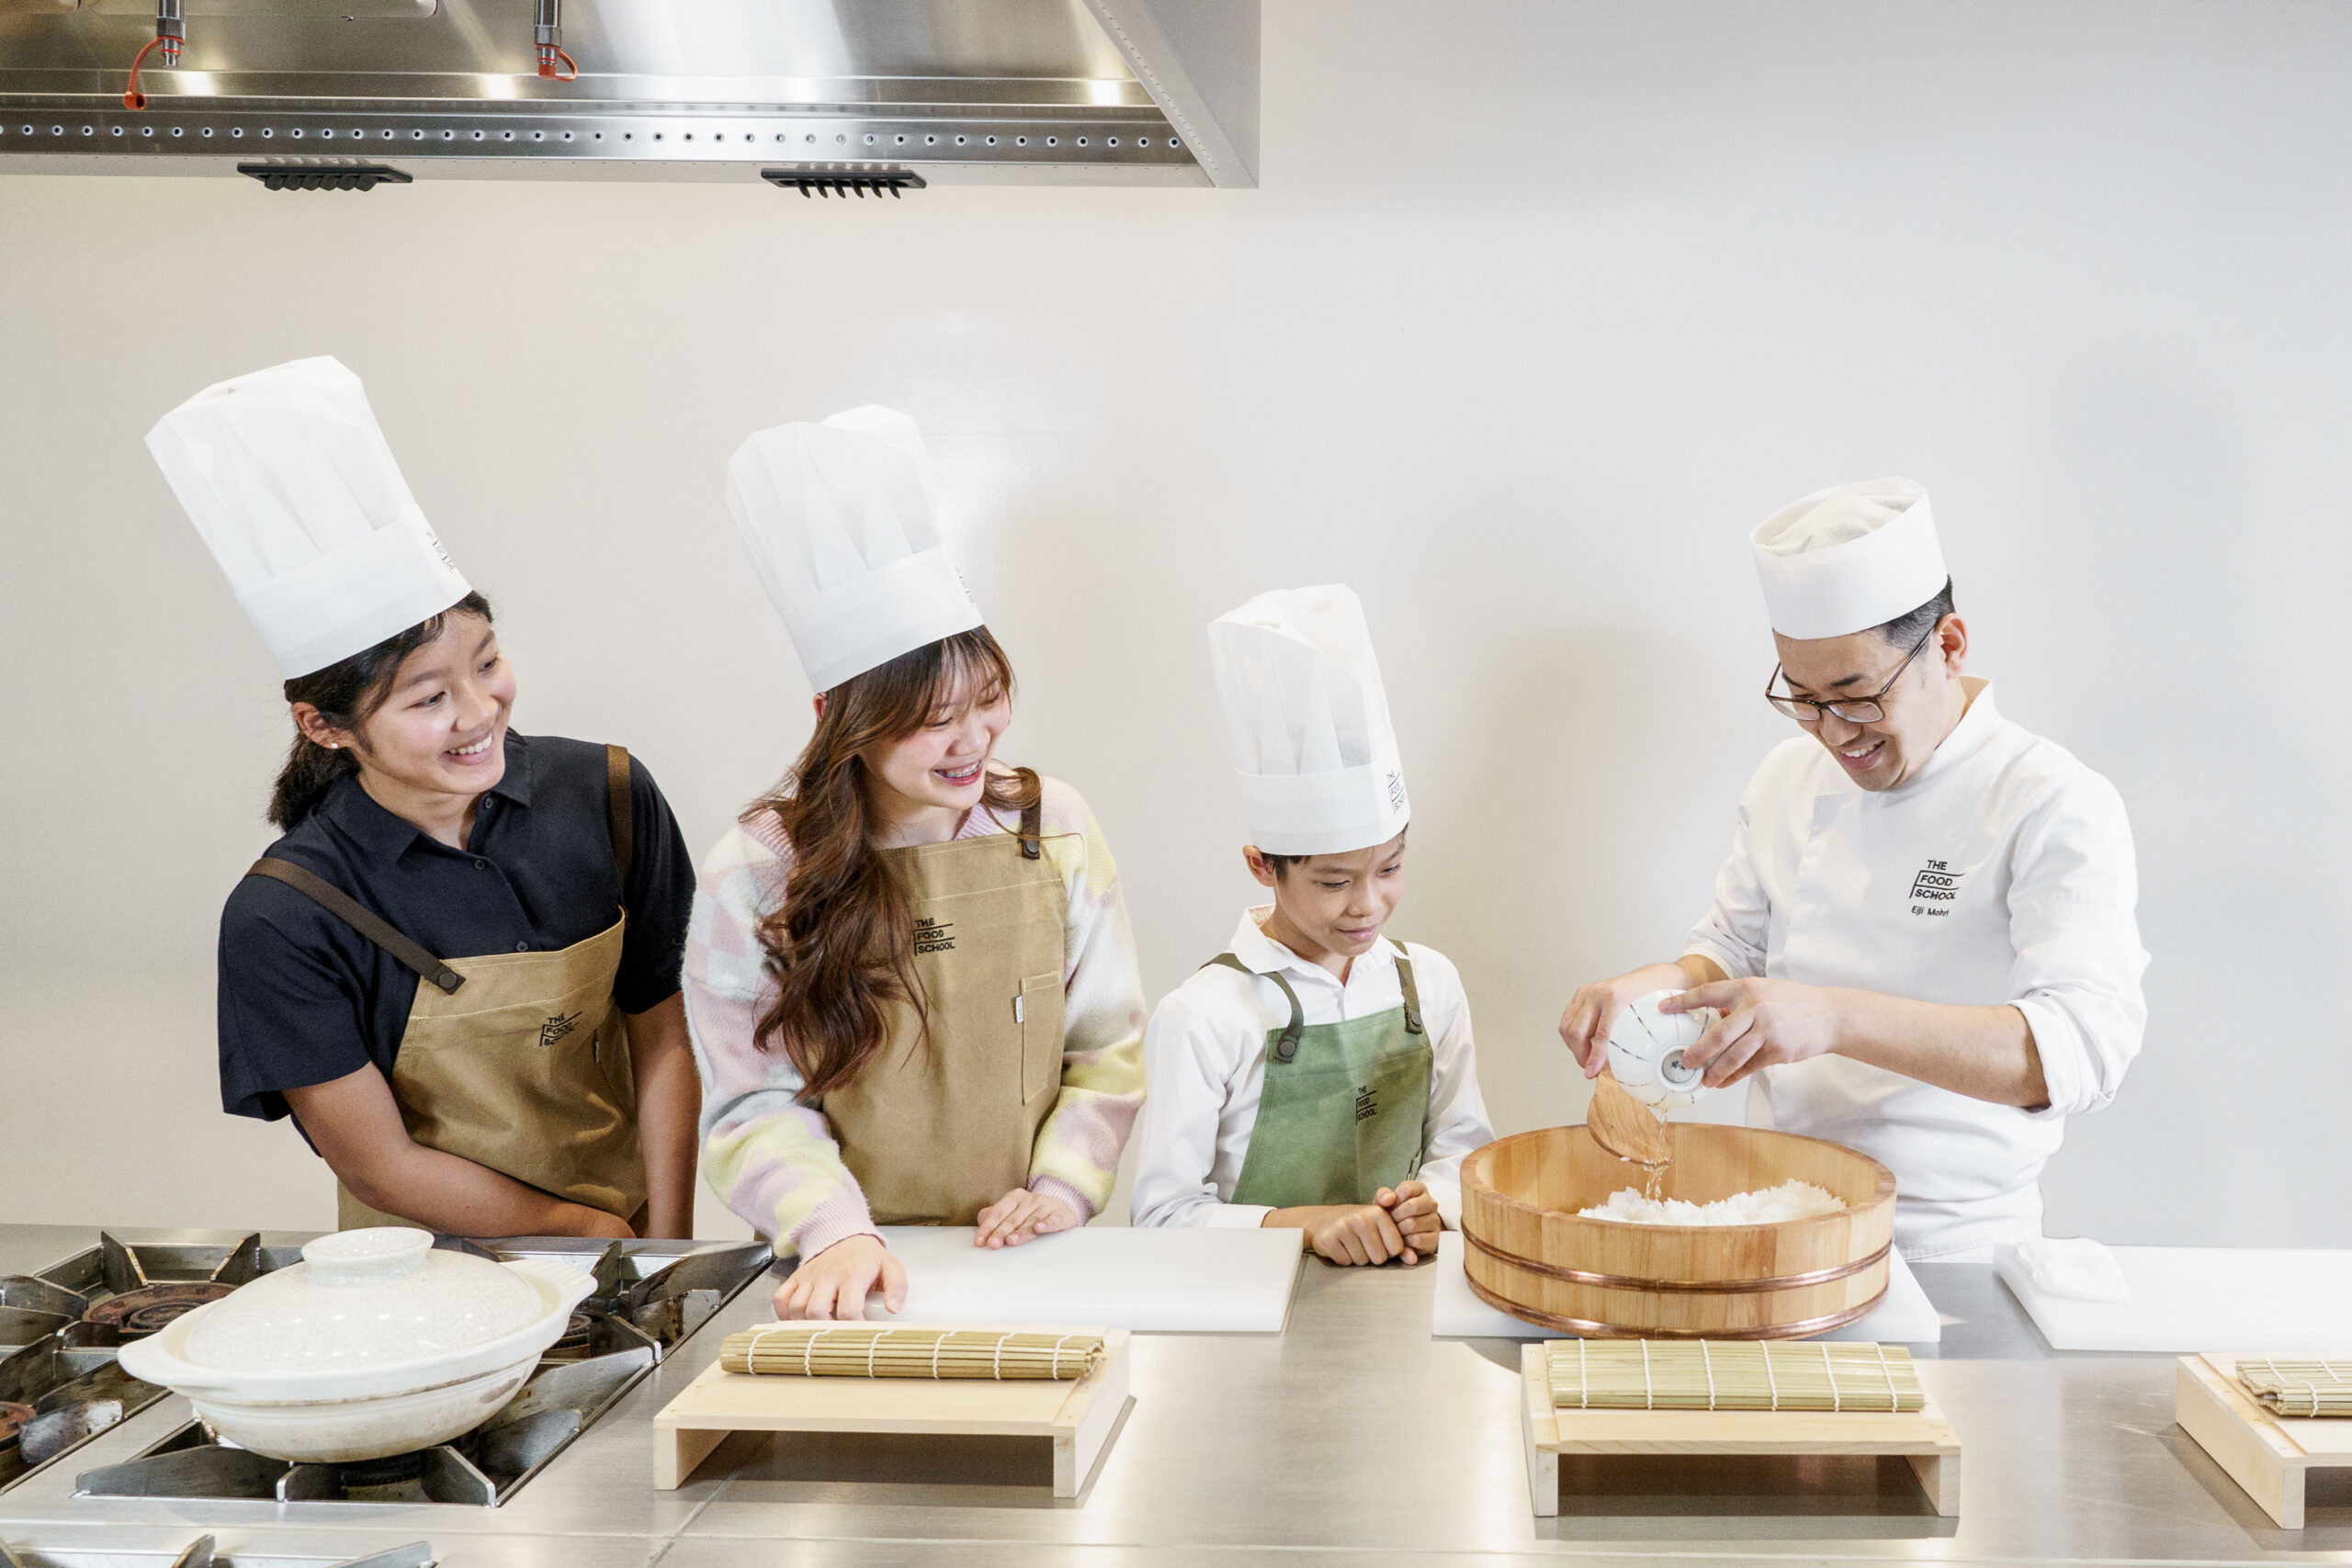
1040, 1009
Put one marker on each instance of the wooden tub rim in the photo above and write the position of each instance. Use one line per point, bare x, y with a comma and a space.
1474, 1170
1718, 1287
1587, 1328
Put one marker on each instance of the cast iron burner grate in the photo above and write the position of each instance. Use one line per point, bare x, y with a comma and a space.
66, 1321
650, 1297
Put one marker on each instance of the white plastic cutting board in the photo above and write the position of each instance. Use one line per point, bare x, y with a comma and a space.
2190, 1299
1904, 1317
1166, 1281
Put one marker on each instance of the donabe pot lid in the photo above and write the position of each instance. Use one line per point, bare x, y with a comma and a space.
361, 1299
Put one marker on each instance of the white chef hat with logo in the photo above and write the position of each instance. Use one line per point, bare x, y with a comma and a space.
1849, 558
1311, 734
838, 519
295, 491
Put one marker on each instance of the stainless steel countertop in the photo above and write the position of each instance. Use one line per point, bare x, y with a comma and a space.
1354, 1434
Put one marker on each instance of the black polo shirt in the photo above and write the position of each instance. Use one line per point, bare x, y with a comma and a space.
305, 1000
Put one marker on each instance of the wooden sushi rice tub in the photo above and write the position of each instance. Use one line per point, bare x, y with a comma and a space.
1529, 1253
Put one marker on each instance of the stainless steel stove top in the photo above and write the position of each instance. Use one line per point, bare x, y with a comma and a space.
204, 1552
59, 1329
63, 1387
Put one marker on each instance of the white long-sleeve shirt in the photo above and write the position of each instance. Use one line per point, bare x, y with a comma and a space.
2001, 873
1204, 1070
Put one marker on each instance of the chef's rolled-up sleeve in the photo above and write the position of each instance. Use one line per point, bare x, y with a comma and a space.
2074, 887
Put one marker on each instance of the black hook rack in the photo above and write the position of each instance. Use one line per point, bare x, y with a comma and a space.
328, 177
844, 183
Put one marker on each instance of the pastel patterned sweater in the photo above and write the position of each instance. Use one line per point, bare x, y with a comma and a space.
774, 1161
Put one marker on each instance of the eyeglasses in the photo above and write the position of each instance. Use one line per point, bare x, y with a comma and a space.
1853, 710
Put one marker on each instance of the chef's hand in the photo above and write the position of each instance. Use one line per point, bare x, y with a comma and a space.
1413, 1212
1020, 1215
835, 1283
1592, 1011
1763, 1022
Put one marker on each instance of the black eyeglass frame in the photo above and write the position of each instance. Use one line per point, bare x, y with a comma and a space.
1788, 706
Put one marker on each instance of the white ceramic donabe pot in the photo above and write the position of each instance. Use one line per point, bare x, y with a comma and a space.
375, 1344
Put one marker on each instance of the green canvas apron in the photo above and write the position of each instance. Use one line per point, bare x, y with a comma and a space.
517, 1061
1344, 1104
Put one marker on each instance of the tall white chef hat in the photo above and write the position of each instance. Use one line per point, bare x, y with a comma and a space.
296, 494
1311, 734
839, 520
1849, 558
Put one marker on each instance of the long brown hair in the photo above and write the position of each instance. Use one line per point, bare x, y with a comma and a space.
841, 944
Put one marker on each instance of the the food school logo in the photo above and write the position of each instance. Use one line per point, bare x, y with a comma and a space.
934, 936
1367, 1103
1395, 791
1935, 887
556, 1028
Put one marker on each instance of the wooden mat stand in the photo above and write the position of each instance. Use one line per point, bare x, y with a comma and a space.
1921, 1436
1077, 1416
2268, 1456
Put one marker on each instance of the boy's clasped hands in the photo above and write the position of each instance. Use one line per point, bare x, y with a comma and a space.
1400, 1222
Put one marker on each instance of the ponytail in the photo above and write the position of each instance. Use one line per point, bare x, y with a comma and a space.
840, 945
347, 694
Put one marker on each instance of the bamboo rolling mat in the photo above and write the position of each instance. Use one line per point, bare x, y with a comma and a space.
1736, 1374
2300, 1387
862, 1350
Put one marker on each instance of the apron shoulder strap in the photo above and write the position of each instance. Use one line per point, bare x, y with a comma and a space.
1286, 1046
1033, 816
361, 918
1412, 992
616, 805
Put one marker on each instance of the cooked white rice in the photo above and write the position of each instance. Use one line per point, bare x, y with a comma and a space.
1789, 1200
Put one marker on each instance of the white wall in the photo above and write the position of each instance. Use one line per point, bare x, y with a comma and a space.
1542, 305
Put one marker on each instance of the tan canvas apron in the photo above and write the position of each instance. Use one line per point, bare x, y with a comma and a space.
937, 1129
517, 1061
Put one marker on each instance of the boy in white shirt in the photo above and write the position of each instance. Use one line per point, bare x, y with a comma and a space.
1319, 1074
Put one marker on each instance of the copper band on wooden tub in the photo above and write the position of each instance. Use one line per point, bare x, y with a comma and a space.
1633, 1282
1585, 1328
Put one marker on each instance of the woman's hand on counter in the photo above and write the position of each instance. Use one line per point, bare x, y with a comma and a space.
1021, 1214
835, 1283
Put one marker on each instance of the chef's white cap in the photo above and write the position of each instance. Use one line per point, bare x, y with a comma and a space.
839, 520
296, 494
1311, 734
1849, 558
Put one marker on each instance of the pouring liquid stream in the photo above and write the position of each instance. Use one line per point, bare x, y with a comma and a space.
1631, 1130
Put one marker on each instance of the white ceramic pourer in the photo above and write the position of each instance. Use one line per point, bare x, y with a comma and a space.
1645, 1050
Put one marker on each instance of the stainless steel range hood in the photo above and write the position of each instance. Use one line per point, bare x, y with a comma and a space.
830, 96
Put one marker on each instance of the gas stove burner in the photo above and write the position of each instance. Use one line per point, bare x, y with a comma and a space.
136, 1314
573, 1346
373, 1475
12, 1416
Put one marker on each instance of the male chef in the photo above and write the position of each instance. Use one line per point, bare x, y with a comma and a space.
1922, 945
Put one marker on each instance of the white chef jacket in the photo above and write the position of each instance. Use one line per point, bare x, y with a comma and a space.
1204, 1069
2001, 873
